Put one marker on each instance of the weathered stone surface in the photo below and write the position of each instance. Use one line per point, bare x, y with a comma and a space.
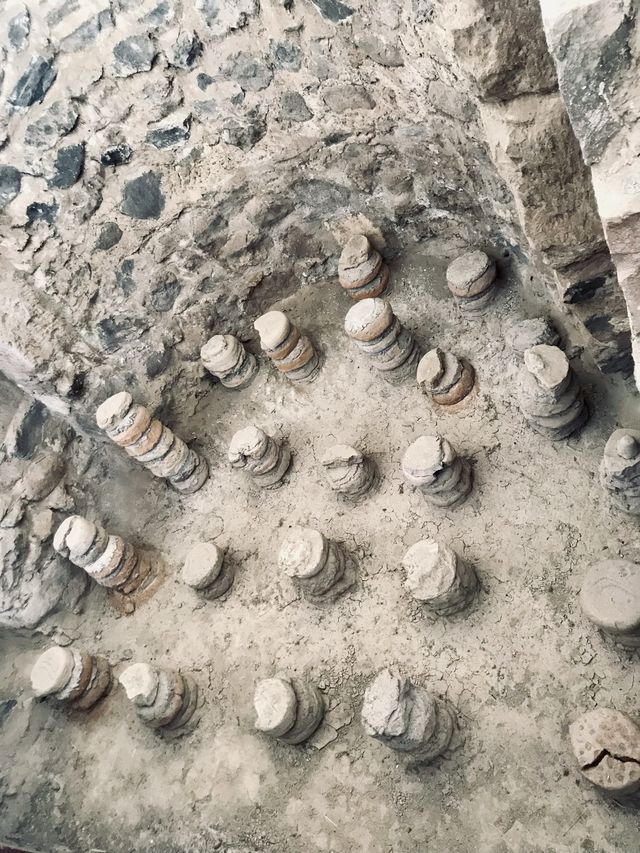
116, 155
87, 32
293, 107
285, 55
142, 197
109, 236
133, 55
34, 83
168, 137
185, 50
333, 10
56, 122
344, 97
19, 29
10, 183
249, 72
68, 166
25, 430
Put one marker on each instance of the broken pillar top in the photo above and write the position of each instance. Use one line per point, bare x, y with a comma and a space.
221, 352
74, 536
303, 553
610, 596
430, 568
355, 252
385, 710
368, 319
249, 441
431, 368
140, 682
275, 703
425, 457
273, 328
202, 565
52, 670
113, 410
465, 270
606, 744
340, 455
548, 364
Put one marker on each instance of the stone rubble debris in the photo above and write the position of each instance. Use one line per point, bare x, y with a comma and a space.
164, 699
362, 271
206, 570
289, 709
438, 577
432, 464
148, 441
375, 329
261, 456
348, 471
524, 334
620, 470
549, 393
292, 353
225, 357
406, 717
70, 676
317, 565
610, 598
606, 744
471, 278
446, 378
107, 559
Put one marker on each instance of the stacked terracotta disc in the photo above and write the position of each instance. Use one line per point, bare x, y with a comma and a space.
291, 352
361, 269
471, 279
163, 699
71, 676
288, 709
445, 377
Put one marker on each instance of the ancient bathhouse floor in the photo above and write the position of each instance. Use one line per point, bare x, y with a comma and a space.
519, 666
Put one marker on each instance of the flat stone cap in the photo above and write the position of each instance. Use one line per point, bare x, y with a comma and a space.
468, 268
303, 553
610, 596
275, 704
52, 670
355, 253
74, 536
202, 565
430, 568
273, 328
341, 456
385, 710
368, 319
606, 744
431, 368
140, 682
249, 441
549, 365
427, 455
221, 352
113, 410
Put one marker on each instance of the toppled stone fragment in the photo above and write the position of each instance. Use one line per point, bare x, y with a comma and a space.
361, 269
149, 442
259, 455
25, 429
610, 598
620, 470
107, 559
206, 570
226, 358
109, 236
377, 331
292, 353
56, 122
142, 197
606, 744
68, 166
133, 55
433, 465
19, 29
34, 83
524, 334
10, 184
317, 565
164, 700
116, 155
288, 709
72, 677
438, 577
446, 378
549, 394
471, 279
407, 718
348, 471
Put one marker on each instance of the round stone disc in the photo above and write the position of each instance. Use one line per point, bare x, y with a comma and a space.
273, 327
303, 553
250, 441
52, 671
221, 352
385, 710
431, 569
548, 364
275, 704
113, 409
140, 682
368, 319
606, 744
202, 565
610, 596
467, 269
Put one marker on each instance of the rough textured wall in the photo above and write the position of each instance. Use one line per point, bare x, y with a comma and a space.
171, 168
596, 46
502, 46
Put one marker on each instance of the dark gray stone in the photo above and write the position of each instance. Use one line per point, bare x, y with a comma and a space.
185, 51
160, 14
142, 197
165, 292
247, 71
87, 32
157, 362
34, 83
333, 10
204, 110
124, 277
116, 155
41, 211
109, 236
246, 132
19, 29
293, 107
168, 137
204, 80
134, 55
25, 430
56, 122
344, 96
68, 166
62, 11
113, 333
10, 183
285, 55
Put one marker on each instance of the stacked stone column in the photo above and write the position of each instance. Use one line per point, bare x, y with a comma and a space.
164, 699
378, 333
226, 358
206, 570
432, 464
107, 559
446, 378
288, 709
606, 744
317, 565
407, 718
291, 352
361, 269
620, 470
71, 676
439, 578
471, 279
149, 442
610, 598
348, 471
263, 458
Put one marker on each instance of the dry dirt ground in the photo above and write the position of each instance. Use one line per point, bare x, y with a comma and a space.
519, 665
